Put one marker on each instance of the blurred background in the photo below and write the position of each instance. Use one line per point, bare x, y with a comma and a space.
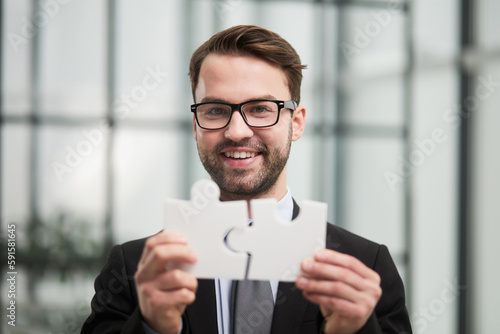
403, 107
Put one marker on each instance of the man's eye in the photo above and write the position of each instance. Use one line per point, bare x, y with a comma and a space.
260, 109
216, 111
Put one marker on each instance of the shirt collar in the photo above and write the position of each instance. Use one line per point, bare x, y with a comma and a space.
284, 208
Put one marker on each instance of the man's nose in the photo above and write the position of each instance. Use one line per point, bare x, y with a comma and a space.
237, 129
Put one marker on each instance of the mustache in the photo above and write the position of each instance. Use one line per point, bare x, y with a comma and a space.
244, 143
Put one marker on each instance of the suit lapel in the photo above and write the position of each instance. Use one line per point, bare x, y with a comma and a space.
202, 314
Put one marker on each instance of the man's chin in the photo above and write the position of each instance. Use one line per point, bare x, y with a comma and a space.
239, 188
245, 190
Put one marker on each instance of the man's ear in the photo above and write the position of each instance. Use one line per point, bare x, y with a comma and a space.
298, 122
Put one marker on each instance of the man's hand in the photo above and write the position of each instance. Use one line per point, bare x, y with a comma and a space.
344, 288
164, 294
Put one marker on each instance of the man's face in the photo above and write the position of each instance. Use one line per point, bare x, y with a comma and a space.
260, 171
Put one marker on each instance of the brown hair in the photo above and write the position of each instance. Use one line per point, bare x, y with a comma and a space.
254, 41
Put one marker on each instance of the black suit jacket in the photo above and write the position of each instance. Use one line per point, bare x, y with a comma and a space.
115, 304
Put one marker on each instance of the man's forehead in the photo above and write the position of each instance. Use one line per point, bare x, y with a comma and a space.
243, 72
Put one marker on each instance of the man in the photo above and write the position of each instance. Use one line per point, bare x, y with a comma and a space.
246, 86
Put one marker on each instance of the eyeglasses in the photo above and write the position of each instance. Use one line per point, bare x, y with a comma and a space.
255, 113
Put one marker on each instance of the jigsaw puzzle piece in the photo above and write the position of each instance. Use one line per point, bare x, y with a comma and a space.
205, 222
278, 247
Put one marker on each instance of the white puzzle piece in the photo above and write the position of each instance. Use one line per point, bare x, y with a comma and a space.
205, 222
277, 247
219, 233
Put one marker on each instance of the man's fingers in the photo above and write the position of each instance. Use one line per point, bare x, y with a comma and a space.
351, 312
338, 289
155, 261
335, 275
163, 294
168, 291
331, 302
175, 279
330, 272
333, 272
164, 306
346, 261
163, 238
172, 298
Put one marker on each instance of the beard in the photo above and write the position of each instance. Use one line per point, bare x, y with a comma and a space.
243, 183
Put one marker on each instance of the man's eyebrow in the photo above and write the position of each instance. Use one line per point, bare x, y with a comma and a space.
218, 99
212, 99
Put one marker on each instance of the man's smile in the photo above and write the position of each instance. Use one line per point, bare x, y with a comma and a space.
239, 155
240, 158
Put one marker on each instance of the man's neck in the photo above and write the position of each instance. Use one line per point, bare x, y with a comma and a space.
272, 193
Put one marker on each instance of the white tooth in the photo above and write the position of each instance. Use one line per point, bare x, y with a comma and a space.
240, 155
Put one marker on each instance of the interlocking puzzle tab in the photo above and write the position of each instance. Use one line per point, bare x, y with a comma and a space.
277, 247
225, 243
205, 222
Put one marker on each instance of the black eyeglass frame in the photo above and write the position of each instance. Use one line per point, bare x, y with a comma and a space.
237, 107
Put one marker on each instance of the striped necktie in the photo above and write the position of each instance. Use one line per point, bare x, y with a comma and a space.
252, 307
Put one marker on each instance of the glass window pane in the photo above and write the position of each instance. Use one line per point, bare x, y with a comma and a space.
148, 168
377, 102
486, 211
373, 209
434, 179
321, 76
373, 44
40, 312
71, 216
326, 149
311, 169
300, 168
16, 185
151, 79
231, 13
73, 58
202, 17
16, 64
436, 30
72, 180
488, 24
